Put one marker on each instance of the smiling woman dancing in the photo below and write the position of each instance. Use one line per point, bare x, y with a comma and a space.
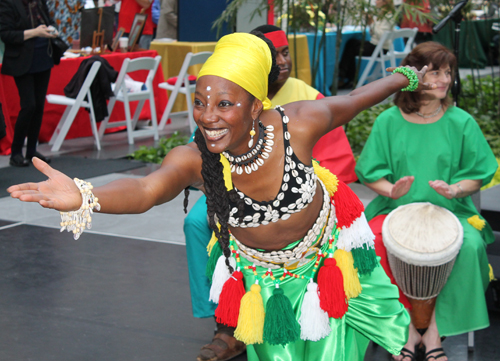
284, 227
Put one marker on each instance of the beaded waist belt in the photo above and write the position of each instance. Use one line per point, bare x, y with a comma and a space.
318, 235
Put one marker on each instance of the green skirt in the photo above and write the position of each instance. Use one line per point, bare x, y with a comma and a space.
375, 314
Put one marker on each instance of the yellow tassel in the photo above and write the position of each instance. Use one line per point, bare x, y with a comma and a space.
476, 222
227, 173
213, 241
329, 180
492, 275
250, 329
345, 262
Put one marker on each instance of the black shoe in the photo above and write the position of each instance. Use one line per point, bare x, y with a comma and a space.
18, 160
39, 156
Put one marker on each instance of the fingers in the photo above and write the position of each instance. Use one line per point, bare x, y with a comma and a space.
22, 188
390, 70
44, 168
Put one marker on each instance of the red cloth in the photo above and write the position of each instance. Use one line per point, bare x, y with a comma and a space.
60, 77
333, 151
380, 250
127, 13
408, 22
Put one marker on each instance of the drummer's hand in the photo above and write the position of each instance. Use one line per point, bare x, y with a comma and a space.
420, 74
443, 188
401, 187
58, 192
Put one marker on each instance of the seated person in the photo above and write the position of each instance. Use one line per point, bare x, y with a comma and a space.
427, 150
378, 26
332, 151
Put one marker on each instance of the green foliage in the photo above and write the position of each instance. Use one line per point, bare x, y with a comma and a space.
480, 98
156, 154
360, 127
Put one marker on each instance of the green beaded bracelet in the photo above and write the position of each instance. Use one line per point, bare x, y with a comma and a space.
412, 78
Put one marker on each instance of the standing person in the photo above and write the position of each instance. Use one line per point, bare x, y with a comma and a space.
235, 120
128, 10
332, 151
426, 150
27, 47
379, 24
167, 22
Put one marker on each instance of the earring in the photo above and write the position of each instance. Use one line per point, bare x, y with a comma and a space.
252, 133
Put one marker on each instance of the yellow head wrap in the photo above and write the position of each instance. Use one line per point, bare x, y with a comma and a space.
243, 59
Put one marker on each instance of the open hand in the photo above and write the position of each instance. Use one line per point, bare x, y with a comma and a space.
443, 188
420, 74
57, 192
401, 187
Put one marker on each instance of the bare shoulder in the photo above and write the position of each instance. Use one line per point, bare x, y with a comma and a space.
309, 118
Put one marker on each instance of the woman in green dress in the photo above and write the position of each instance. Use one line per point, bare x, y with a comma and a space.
427, 150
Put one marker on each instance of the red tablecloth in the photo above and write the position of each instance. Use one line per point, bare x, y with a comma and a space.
60, 77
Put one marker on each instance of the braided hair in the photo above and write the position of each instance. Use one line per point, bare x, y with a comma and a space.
218, 197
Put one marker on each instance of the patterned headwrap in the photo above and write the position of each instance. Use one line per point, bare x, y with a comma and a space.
243, 59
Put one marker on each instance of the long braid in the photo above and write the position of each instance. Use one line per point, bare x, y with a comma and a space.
217, 195
186, 199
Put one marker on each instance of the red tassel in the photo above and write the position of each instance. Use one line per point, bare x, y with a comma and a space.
228, 310
331, 289
348, 207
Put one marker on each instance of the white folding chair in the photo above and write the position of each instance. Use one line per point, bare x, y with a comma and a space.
72, 108
378, 61
182, 86
123, 95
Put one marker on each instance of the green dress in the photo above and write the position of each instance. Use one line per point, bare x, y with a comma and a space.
451, 149
375, 314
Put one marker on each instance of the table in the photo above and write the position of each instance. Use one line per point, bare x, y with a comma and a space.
324, 74
60, 77
475, 40
173, 54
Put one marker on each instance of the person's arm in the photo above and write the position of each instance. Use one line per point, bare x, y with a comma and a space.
180, 168
460, 189
155, 11
9, 33
329, 113
145, 4
41, 31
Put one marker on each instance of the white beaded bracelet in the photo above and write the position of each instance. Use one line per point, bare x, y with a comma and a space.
76, 221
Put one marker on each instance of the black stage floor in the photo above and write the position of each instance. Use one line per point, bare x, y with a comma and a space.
111, 298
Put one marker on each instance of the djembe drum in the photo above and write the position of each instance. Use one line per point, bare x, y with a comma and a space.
422, 242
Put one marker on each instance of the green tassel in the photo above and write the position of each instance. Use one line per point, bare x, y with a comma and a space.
280, 325
365, 259
212, 260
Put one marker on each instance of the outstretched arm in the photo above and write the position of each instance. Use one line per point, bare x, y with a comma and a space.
326, 114
180, 168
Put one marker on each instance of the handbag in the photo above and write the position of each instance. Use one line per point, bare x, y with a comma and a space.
58, 46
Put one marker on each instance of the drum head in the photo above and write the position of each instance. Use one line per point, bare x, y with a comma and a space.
422, 234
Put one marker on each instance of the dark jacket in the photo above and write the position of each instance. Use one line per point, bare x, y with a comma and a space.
100, 88
18, 54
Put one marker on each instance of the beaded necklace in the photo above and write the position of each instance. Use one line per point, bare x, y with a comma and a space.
254, 158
